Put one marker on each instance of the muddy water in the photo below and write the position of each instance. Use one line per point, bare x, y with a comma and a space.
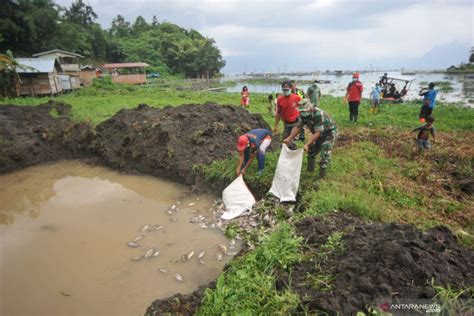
64, 230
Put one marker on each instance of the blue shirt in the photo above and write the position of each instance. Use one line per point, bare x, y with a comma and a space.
431, 96
375, 93
256, 136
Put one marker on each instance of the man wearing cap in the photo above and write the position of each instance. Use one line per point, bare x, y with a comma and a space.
354, 96
251, 144
287, 111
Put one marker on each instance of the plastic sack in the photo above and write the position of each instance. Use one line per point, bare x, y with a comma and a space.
237, 199
287, 174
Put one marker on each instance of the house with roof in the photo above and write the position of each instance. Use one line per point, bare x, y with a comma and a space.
69, 63
131, 73
39, 76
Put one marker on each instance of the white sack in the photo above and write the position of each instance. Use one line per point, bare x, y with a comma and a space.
237, 199
287, 174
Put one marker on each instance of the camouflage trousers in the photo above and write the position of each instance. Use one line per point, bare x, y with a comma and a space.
323, 145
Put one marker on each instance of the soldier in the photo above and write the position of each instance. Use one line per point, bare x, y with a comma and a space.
324, 133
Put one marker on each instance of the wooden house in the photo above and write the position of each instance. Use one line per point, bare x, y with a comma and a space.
69, 63
131, 73
39, 77
88, 73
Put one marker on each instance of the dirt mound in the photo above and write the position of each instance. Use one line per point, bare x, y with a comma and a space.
169, 142
375, 261
35, 134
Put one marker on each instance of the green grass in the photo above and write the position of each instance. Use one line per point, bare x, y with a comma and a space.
248, 286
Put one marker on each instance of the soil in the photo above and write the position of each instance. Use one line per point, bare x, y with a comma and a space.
169, 142
30, 135
378, 261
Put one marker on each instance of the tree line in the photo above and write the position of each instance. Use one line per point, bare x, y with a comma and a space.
32, 26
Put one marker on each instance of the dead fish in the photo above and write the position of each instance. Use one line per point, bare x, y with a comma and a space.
213, 226
159, 227
156, 253
138, 238
178, 277
65, 294
145, 228
173, 220
178, 202
222, 247
198, 198
232, 242
201, 261
231, 253
201, 254
184, 258
149, 253
203, 225
163, 270
173, 207
194, 219
219, 257
132, 244
190, 255
137, 258
191, 204
169, 212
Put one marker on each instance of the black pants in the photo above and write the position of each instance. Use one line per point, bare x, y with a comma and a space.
425, 111
353, 110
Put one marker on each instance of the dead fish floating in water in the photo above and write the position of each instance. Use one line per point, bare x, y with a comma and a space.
138, 238
190, 255
191, 204
179, 277
173, 220
203, 225
162, 270
65, 294
201, 261
231, 253
137, 258
149, 253
156, 254
145, 228
184, 258
132, 244
219, 257
201, 254
222, 247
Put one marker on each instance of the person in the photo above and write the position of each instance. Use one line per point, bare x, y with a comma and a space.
314, 93
295, 90
375, 98
429, 101
287, 110
245, 97
250, 145
271, 102
383, 80
424, 132
354, 96
323, 136
391, 91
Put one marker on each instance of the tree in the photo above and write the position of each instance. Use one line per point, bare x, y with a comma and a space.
120, 27
81, 14
140, 26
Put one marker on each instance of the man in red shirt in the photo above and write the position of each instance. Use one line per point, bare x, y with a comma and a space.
287, 110
354, 96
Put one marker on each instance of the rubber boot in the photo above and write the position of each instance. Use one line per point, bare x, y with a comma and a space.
351, 117
311, 163
355, 118
322, 173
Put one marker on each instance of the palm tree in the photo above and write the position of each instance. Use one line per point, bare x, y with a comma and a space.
9, 79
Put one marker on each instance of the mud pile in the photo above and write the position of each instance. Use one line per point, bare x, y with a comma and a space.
35, 134
377, 261
169, 142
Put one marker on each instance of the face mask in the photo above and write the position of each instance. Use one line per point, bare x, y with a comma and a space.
354, 79
286, 92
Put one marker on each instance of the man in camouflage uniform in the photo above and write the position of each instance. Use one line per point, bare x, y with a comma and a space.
324, 133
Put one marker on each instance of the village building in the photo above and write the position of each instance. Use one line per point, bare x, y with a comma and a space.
39, 76
131, 73
88, 73
70, 78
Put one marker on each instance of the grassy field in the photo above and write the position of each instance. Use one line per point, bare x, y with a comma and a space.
375, 173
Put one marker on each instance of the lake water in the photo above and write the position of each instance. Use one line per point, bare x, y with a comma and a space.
64, 229
463, 87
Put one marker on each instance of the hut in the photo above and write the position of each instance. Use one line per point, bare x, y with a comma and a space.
88, 73
39, 76
69, 63
131, 73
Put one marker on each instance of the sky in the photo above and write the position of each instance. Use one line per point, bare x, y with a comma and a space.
285, 35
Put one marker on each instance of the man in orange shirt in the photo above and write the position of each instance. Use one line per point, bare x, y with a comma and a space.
287, 111
354, 96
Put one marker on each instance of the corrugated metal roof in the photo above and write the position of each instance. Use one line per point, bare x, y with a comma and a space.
42, 65
58, 51
125, 65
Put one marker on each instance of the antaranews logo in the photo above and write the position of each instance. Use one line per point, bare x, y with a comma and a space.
408, 307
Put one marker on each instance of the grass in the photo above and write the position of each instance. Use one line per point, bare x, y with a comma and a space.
248, 286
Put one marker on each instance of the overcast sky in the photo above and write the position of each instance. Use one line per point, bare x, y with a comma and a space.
295, 35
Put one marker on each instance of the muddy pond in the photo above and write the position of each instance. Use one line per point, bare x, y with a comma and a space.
76, 239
